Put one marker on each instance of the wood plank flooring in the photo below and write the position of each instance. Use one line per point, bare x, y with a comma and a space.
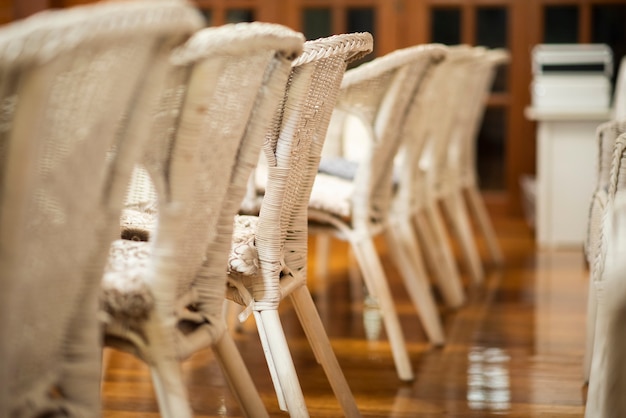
514, 350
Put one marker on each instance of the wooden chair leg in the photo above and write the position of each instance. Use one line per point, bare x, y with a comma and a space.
478, 209
376, 282
459, 219
82, 371
440, 258
280, 362
411, 268
169, 388
238, 377
165, 370
314, 329
592, 306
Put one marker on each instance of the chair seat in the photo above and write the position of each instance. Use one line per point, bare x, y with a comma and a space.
125, 295
333, 195
243, 258
338, 167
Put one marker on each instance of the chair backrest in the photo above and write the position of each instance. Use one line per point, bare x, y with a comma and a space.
68, 80
444, 106
379, 94
292, 151
199, 169
463, 158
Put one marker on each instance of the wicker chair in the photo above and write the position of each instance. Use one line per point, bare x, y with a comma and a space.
607, 135
457, 181
269, 256
374, 98
68, 79
163, 298
607, 378
438, 167
415, 202
454, 181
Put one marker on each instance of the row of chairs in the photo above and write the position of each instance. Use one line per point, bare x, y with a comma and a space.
99, 96
400, 147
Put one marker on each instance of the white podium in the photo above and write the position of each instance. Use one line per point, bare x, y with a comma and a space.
567, 155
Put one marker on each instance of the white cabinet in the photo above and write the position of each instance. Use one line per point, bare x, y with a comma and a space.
567, 157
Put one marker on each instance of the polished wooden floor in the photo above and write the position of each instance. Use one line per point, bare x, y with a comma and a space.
514, 350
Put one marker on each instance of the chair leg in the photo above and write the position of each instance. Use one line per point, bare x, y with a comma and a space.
314, 329
592, 306
357, 293
409, 264
376, 282
165, 369
231, 313
457, 213
238, 377
280, 361
440, 258
82, 370
477, 207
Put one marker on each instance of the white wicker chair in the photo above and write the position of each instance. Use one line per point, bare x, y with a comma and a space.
163, 298
607, 379
462, 157
376, 95
415, 202
269, 257
457, 180
438, 166
68, 78
607, 135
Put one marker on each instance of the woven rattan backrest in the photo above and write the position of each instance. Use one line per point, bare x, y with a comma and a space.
429, 124
68, 77
456, 96
380, 92
237, 79
480, 81
292, 151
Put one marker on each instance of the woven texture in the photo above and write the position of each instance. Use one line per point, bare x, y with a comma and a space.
69, 80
